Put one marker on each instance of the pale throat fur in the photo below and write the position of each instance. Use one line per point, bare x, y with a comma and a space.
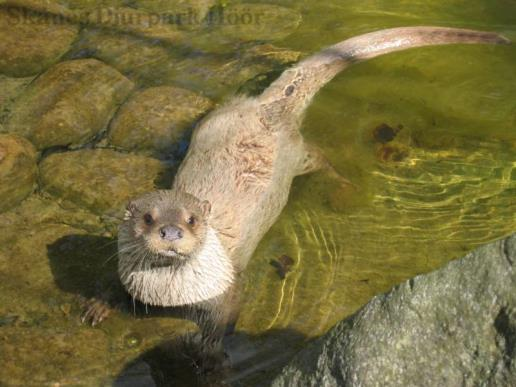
168, 273
202, 277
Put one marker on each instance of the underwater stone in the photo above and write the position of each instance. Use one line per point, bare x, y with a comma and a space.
152, 64
130, 55
101, 180
186, 14
272, 54
133, 21
10, 88
248, 22
69, 104
155, 119
217, 76
18, 170
92, 4
31, 42
455, 326
39, 210
56, 7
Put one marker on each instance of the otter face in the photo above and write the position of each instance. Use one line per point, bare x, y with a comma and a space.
168, 255
169, 224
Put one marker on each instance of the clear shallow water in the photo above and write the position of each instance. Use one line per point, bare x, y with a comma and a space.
444, 185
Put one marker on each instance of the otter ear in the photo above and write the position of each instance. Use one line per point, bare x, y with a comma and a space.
206, 208
129, 210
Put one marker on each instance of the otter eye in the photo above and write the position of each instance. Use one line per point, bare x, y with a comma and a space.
191, 221
147, 218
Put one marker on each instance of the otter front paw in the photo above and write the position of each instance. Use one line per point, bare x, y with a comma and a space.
95, 311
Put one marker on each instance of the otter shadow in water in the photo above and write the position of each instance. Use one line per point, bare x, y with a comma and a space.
249, 360
87, 265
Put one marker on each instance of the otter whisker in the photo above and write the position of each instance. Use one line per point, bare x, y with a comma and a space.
125, 248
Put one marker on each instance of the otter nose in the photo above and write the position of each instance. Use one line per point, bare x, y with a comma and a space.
171, 233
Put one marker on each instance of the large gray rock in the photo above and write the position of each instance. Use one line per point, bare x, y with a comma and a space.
456, 326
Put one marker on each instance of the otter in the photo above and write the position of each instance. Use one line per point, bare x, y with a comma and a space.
166, 239
188, 246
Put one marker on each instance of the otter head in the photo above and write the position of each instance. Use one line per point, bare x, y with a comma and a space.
169, 224
168, 254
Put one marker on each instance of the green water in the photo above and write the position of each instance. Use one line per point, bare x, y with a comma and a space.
444, 185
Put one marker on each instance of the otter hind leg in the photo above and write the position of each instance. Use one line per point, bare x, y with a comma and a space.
314, 161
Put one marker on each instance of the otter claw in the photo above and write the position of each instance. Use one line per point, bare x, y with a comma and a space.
95, 312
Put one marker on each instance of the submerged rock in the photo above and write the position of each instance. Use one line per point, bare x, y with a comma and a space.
272, 54
40, 210
10, 88
218, 75
69, 104
48, 6
31, 42
100, 180
133, 21
456, 326
186, 14
18, 170
155, 119
92, 4
248, 22
152, 64
132, 56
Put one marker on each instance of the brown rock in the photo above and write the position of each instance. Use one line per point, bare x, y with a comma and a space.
69, 104
31, 42
18, 170
100, 180
155, 119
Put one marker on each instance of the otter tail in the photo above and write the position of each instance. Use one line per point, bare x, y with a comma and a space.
293, 90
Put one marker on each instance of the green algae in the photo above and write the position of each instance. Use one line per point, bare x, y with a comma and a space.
256, 22
10, 89
18, 170
186, 14
51, 256
209, 73
69, 104
153, 121
101, 180
29, 48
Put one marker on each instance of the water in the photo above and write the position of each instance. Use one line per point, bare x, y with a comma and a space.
443, 186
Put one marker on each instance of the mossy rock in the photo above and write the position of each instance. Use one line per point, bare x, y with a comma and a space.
31, 42
18, 170
10, 89
101, 180
155, 119
91, 4
38, 209
137, 22
247, 22
69, 104
186, 14
136, 58
152, 64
